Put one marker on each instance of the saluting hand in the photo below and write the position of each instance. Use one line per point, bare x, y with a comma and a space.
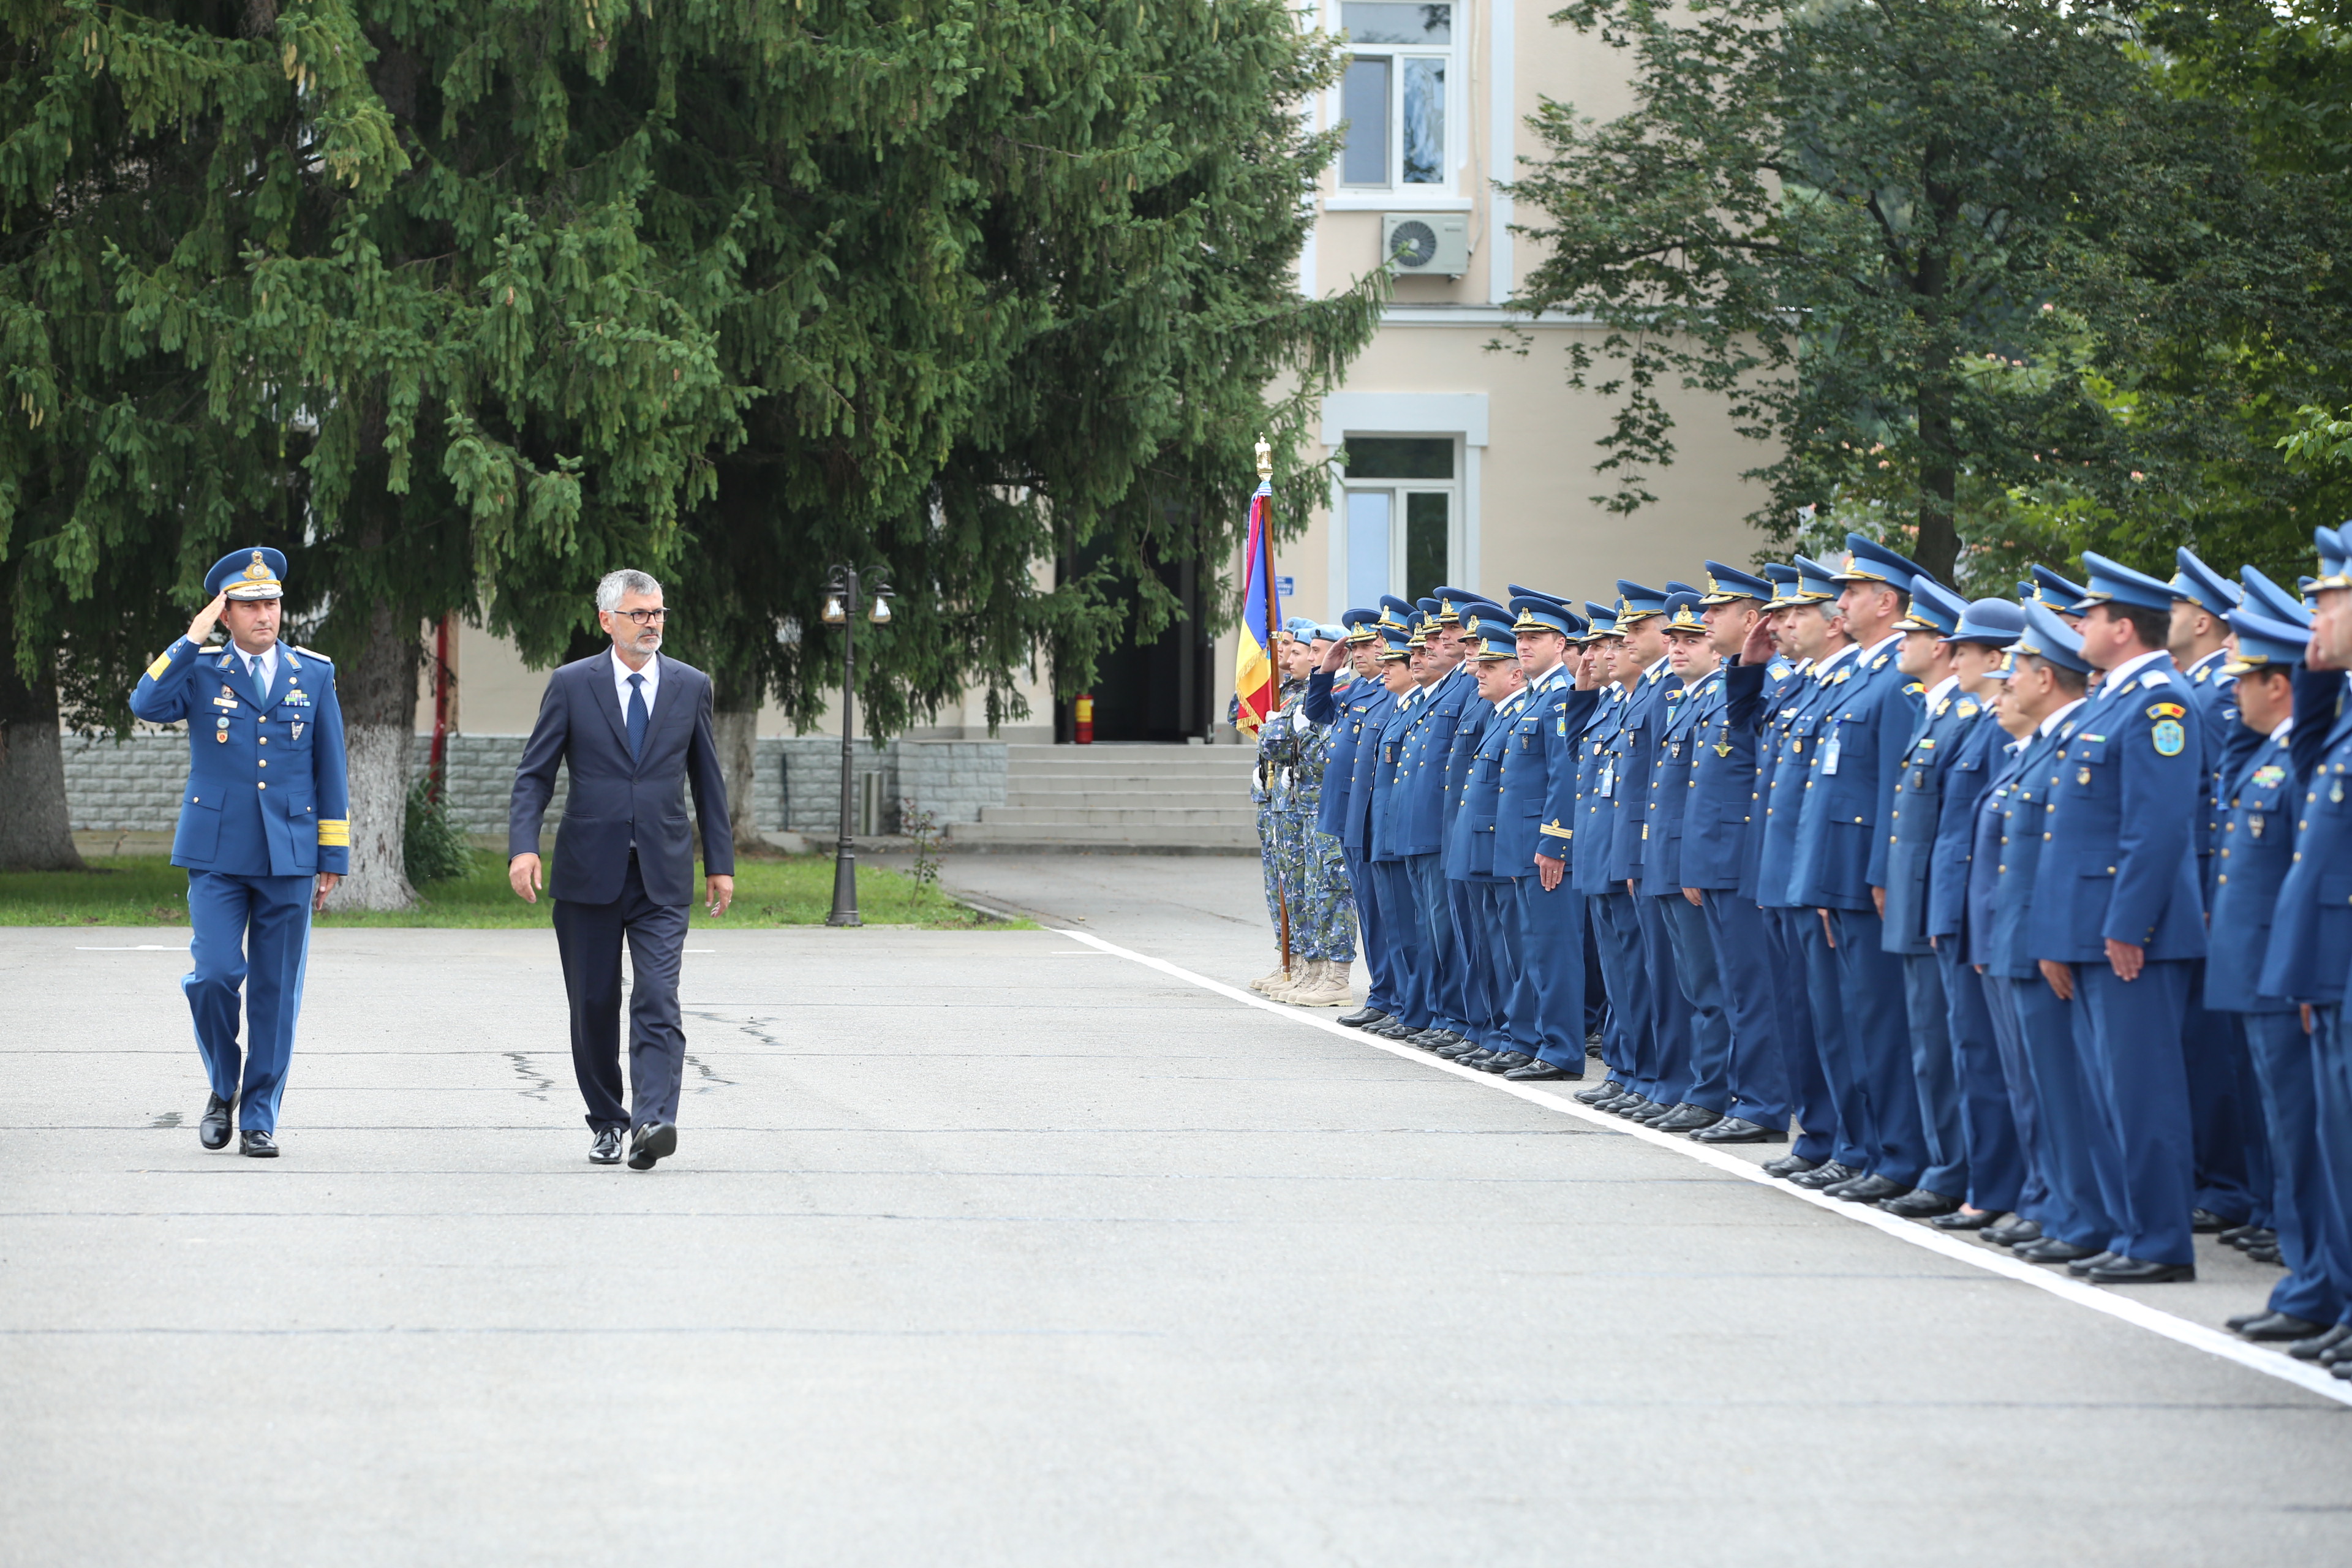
1758, 648
202, 627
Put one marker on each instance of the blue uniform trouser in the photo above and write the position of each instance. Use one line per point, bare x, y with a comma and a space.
1756, 1079
1668, 1077
1621, 971
2076, 1137
1493, 918
1870, 993
1550, 991
1836, 1040
1380, 995
1596, 990
1801, 1056
1707, 1080
2231, 1151
1471, 941
1988, 1127
251, 934
2128, 1036
2040, 1199
2319, 1283
1443, 992
2331, 1074
1409, 956
1934, 1076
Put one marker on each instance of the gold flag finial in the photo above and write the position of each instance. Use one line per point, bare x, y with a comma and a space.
1265, 459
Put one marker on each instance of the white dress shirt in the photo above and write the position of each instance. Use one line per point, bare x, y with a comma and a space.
266, 675
621, 673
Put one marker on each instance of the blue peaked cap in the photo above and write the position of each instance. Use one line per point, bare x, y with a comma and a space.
1361, 624
2112, 582
2266, 597
1934, 609
1637, 603
1815, 581
2265, 643
2333, 571
1996, 622
1683, 612
2051, 640
2048, 587
2201, 586
1538, 613
256, 571
1603, 621
1724, 583
1867, 560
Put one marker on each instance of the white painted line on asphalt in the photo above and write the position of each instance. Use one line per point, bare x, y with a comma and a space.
142, 947
2180, 1330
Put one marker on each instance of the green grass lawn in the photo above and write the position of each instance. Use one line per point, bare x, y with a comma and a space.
148, 889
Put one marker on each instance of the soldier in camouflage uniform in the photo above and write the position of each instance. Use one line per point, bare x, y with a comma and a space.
1273, 844
1304, 872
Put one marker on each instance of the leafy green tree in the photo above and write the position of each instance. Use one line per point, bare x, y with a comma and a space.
1955, 261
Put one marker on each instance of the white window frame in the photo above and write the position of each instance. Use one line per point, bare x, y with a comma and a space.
1460, 416
1444, 194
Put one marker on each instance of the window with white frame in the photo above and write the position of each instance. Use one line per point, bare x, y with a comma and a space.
1402, 502
1395, 96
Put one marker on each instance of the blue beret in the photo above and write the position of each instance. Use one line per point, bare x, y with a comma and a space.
2266, 597
1539, 613
1934, 608
1993, 621
1329, 633
1815, 581
1635, 602
2265, 643
2051, 640
1724, 583
1300, 626
1867, 560
2200, 584
2112, 582
1683, 612
256, 571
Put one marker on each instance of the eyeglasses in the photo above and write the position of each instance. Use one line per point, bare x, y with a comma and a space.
644, 617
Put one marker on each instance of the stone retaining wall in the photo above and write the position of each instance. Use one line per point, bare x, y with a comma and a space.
135, 785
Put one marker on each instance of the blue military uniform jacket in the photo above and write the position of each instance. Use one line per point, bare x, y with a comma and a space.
1849, 780
1356, 807
1639, 730
1470, 840
1596, 776
1914, 817
1755, 699
1396, 726
267, 795
1419, 812
2311, 933
1722, 785
2006, 858
1343, 708
2258, 838
1669, 802
1530, 819
1976, 756
1800, 716
2121, 860
2215, 697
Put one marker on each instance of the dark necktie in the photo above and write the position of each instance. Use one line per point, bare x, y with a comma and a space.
638, 716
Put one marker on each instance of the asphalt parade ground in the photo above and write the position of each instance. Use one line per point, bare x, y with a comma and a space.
1028, 1248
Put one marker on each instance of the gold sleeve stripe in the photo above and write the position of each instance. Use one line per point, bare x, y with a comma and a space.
1555, 830
334, 832
156, 670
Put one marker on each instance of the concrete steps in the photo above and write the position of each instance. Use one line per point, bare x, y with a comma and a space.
1143, 798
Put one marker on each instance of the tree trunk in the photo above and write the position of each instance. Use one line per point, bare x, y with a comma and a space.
36, 829
378, 692
736, 717
1938, 548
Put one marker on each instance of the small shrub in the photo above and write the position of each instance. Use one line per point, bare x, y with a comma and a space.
432, 847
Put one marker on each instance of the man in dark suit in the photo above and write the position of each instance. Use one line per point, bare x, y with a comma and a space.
634, 727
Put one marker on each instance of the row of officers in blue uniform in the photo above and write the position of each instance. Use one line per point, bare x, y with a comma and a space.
2030, 920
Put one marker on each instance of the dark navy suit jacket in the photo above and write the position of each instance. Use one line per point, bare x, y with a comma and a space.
617, 800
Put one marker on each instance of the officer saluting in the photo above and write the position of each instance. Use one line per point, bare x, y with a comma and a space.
263, 831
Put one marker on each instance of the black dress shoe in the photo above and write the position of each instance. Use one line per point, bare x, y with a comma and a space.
2050, 1250
1788, 1166
2140, 1272
2080, 1268
1478, 1059
1968, 1219
2231, 1237
1508, 1061
1637, 1108
1822, 1176
2318, 1344
607, 1150
212, 1131
2342, 1369
1432, 1038
1738, 1130
2205, 1222
257, 1145
1455, 1050
1868, 1189
2245, 1235
2280, 1326
1622, 1101
2270, 1255
1607, 1089
2016, 1231
1920, 1204
2336, 1354
1391, 1029
1687, 1118
1542, 1072
1361, 1017
654, 1141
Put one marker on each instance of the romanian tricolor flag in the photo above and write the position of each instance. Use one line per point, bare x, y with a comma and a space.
1255, 684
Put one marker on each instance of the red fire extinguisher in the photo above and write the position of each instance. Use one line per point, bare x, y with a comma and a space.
1082, 712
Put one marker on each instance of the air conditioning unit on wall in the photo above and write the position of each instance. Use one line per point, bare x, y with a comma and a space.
1426, 244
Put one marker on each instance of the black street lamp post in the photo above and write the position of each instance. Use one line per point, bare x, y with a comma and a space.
842, 603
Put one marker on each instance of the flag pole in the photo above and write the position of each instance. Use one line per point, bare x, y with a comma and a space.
1273, 635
